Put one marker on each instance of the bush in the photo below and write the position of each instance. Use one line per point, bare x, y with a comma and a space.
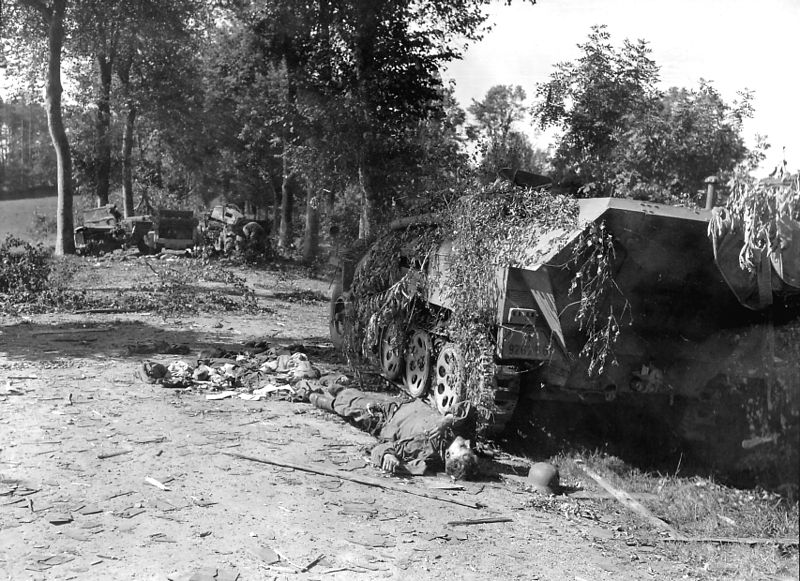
24, 269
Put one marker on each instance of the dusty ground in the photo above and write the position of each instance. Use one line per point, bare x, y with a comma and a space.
71, 394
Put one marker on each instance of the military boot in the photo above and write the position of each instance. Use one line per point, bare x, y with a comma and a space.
322, 401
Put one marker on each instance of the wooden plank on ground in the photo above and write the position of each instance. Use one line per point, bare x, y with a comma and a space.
629, 502
365, 480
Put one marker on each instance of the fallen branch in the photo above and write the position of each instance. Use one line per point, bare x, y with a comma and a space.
480, 521
365, 480
311, 563
630, 503
113, 454
738, 541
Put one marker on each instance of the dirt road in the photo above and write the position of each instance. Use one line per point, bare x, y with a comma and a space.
105, 476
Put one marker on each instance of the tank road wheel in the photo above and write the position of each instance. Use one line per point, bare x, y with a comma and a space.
391, 351
447, 391
418, 363
338, 317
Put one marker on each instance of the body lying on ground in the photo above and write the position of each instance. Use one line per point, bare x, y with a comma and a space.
414, 438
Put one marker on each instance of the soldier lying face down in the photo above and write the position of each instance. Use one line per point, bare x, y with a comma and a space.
414, 438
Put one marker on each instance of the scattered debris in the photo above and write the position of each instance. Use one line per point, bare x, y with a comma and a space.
76, 535
118, 494
356, 509
131, 512
266, 554
106, 455
156, 440
221, 395
156, 483
480, 521
446, 486
372, 540
386, 485
89, 509
49, 562
12, 390
59, 518
202, 502
311, 563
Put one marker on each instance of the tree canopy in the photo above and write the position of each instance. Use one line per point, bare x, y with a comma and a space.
331, 114
621, 135
499, 121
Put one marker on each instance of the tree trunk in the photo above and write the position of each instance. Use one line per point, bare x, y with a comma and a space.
365, 65
127, 161
276, 212
367, 219
311, 234
65, 242
287, 201
103, 146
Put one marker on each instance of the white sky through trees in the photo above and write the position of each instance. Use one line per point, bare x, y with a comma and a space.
736, 44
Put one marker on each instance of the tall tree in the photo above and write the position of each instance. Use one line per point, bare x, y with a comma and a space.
590, 100
687, 136
248, 113
497, 119
622, 136
30, 21
376, 65
98, 38
155, 61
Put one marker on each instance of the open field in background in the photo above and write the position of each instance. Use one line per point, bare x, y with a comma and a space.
17, 216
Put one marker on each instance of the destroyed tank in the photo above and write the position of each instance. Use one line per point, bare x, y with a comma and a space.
698, 324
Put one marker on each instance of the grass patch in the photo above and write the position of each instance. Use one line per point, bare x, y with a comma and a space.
694, 505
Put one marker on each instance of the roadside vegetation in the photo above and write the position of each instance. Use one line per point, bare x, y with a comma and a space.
32, 280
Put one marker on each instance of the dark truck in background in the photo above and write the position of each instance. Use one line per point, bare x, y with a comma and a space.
105, 230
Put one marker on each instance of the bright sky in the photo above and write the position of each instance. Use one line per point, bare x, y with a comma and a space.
736, 44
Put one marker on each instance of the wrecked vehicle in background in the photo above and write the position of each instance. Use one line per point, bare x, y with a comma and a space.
104, 230
226, 227
693, 333
173, 230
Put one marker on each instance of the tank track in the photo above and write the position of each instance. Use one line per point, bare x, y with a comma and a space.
495, 393
494, 389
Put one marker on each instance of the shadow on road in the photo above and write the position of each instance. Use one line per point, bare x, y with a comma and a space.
42, 342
